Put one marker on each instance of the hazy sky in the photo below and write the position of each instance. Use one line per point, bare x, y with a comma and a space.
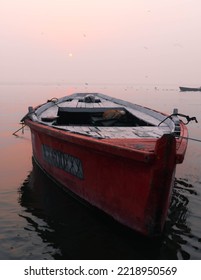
101, 41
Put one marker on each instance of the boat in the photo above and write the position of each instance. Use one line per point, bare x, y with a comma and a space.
189, 89
117, 156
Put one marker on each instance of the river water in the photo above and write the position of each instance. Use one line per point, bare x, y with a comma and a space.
40, 221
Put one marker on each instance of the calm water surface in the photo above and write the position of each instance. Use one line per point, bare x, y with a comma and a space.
40, 221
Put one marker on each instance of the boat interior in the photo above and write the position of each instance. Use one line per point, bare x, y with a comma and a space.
102, 116
96, 116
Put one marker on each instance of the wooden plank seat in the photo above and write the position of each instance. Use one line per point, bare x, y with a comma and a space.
85, 110
96, 100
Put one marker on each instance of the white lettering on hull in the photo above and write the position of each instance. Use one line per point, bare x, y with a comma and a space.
66, 162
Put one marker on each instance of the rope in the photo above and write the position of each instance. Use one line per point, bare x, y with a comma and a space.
189, 138
54, 100
21, 128
188, 119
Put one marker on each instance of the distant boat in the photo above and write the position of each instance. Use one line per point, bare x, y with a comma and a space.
111, 153
189, 89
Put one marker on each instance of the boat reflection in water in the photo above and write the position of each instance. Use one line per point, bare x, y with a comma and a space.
70, 230
178, 236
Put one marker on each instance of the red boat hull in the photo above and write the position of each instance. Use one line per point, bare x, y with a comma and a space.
132, 182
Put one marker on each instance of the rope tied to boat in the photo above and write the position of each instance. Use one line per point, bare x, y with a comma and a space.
21, 128
190, 138
188, 119
31, 110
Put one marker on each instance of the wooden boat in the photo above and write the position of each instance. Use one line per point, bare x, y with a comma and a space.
117, 156
189, 89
